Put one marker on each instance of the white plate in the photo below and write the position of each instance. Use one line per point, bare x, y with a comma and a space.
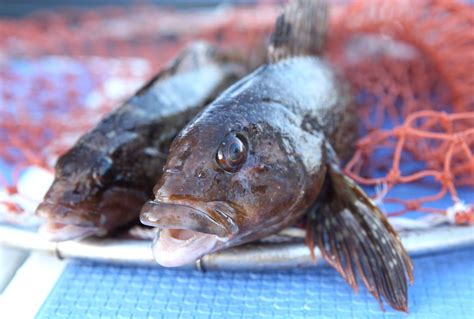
257, 256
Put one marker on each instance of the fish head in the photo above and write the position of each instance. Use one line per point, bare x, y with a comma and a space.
225, 182
87, 198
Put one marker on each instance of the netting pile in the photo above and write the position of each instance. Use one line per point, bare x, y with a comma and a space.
410, 64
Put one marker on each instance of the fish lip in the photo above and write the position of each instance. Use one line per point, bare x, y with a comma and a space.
203, 217
62, 224
62, 214
58, 232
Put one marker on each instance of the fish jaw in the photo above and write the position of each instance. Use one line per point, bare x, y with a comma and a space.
177, 247
116, 207
187, 231
198, 217
62, 232
63, 223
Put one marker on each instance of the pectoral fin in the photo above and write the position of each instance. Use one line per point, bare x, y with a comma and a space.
355, 237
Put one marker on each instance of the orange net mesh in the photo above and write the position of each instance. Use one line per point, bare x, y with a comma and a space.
418, 73
410, 63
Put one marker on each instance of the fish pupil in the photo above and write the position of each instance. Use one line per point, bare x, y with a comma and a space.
236, 150
232, 153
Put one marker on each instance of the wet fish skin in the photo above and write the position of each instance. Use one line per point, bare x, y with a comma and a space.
265, 153
285, 125
289, 112
104, 179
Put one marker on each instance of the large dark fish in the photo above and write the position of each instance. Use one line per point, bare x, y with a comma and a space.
105, 178
264, 154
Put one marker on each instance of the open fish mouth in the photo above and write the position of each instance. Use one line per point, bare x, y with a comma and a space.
178, 247
186, 233
60, 226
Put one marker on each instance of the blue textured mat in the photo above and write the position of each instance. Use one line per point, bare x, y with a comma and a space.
444, 288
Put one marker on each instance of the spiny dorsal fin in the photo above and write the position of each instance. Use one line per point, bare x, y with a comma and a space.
300, 30
355, 237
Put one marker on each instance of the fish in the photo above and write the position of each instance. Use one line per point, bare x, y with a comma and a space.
265, 154
103, 180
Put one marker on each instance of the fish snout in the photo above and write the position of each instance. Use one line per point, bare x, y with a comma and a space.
187, 216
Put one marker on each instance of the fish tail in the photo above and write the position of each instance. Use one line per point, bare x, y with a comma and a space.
356, 238
300, 30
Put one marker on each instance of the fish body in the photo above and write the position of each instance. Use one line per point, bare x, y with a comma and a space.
264, 154
104, 179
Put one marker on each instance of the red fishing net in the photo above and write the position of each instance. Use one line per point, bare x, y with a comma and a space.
410, 64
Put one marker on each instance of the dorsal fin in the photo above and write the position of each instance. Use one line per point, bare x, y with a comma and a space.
300, 30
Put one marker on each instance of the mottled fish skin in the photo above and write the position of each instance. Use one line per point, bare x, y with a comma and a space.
104, 179
265, 153
286, 114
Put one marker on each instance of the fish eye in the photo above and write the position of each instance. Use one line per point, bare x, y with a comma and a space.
232, 152
102, 170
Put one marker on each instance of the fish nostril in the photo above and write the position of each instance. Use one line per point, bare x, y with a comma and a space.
172, 170
174, 166
201, 173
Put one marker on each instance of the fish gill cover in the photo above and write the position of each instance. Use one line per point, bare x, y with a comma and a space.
410, 64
